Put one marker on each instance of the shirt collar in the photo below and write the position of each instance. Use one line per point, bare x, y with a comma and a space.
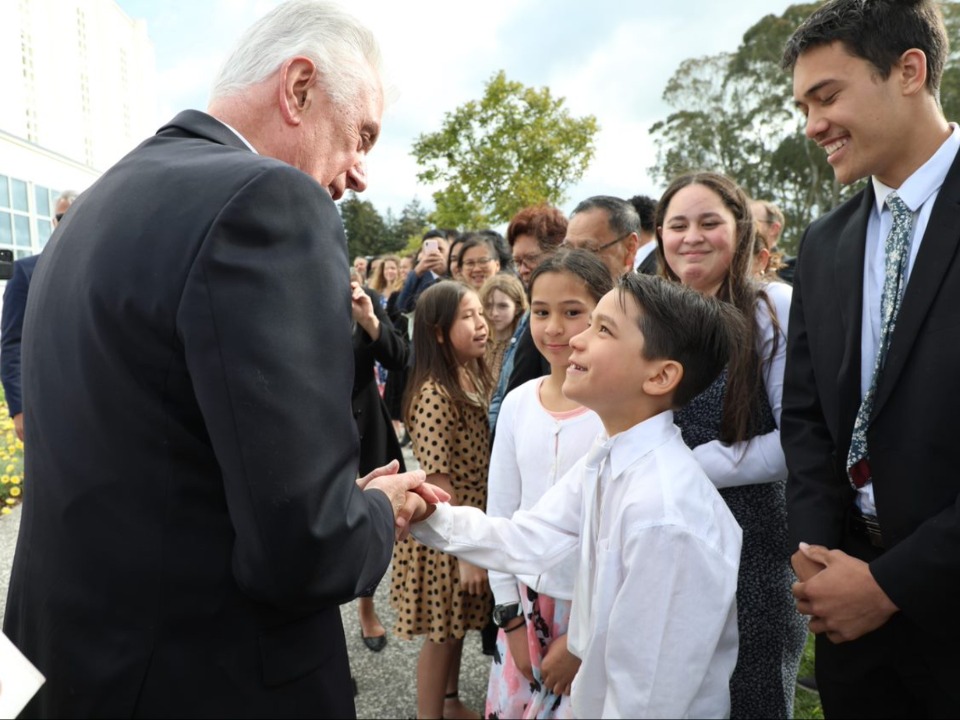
237, 133
627, 447
927, 179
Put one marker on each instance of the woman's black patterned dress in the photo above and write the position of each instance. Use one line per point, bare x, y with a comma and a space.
772, 632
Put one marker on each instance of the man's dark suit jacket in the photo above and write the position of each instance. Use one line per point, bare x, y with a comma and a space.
11, 331
649, 264
191, 519
913, 434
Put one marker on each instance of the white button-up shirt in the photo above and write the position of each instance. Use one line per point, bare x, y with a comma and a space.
660, 639
533, 449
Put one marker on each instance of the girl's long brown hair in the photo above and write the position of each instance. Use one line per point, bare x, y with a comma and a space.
436, 309
379, 283
741, 401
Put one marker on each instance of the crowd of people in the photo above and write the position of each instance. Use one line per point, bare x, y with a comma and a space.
653, 451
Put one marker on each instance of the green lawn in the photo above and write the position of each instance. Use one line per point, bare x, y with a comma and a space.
807, 704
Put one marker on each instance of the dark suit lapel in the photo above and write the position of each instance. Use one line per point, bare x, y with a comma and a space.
848, 280
936, 254
649, 264
194, 122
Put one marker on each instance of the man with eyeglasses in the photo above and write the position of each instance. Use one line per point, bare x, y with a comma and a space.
11, 321
609, 227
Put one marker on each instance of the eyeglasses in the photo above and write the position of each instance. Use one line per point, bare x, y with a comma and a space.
470, 264
530, 261
591, 248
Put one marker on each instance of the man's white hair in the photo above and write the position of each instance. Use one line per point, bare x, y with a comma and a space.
344, 51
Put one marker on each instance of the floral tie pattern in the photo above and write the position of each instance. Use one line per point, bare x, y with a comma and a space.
896, 251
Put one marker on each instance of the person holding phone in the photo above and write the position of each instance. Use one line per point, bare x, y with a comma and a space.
431, 266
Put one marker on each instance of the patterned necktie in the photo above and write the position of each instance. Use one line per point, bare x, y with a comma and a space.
581, 627
896, 251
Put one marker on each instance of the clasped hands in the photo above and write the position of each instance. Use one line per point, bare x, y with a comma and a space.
839, 593
410, 495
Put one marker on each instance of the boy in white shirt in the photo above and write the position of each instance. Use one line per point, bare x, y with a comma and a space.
654, 614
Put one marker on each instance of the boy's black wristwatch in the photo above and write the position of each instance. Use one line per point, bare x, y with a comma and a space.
502, 614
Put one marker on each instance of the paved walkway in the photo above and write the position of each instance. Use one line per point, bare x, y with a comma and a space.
387, 680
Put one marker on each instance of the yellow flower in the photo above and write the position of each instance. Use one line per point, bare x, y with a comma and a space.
4, 479
11, 467
15, 492
14, 479
11, 501
5, 511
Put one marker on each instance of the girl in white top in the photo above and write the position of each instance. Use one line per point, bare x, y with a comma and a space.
540, 435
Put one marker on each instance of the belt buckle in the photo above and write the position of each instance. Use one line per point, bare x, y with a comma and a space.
870, 526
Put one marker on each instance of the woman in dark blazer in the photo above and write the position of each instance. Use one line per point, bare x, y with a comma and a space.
375, 340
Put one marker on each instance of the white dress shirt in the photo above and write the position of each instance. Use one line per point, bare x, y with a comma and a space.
919, 193
532, 450
760, 459
660, 639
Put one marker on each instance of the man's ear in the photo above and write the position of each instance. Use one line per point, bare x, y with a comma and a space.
913, 71
298, 84
665, 380
631, 244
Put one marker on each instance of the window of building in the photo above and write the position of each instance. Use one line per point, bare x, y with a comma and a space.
26, 212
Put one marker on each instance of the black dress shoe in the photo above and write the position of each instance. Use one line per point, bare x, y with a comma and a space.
376, 644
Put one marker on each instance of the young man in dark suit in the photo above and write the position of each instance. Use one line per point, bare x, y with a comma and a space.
192, 518
870, 421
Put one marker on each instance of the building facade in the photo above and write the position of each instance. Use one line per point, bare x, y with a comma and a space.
78, 81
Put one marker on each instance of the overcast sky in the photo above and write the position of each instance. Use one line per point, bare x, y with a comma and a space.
608, 58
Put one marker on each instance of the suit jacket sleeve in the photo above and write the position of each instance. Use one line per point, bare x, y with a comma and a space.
816, 497
264, 320
11, 333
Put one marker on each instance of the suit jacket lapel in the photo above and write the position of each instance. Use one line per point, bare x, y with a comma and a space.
848, 279
934, 258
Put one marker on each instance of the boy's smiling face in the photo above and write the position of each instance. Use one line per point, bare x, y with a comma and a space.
608, 372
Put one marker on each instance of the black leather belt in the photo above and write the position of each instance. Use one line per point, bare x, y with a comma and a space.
867, 526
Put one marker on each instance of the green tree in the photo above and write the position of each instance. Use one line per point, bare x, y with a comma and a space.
734, 113
410, 226
517, 146
365, 229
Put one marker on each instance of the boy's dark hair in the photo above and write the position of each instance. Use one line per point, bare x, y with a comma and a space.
879, 31
586, 266
678, 323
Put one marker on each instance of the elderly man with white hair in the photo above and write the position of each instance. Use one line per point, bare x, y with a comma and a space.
192, 518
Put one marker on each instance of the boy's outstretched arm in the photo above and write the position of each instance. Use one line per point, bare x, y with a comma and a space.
527, 544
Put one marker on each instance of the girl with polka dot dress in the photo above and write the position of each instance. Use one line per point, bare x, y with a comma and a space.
540, 435
445, 410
